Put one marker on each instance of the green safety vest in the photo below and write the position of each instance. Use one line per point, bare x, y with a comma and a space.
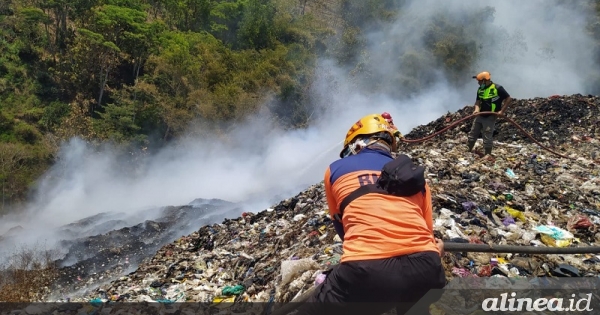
489, 96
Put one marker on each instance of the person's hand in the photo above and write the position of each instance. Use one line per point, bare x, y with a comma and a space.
440, 245
501, 113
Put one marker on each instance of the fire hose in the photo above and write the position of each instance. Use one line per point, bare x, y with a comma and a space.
468, 247
456, 123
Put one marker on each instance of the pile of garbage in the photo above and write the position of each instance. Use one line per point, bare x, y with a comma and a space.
100, 248
525, 196
256, 257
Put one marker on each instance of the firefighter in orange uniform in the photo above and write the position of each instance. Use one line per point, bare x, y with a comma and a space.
391, 257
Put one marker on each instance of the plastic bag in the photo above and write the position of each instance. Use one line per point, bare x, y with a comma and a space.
236, 290
221, 302
555, 232
548, 240
513, 213
516, 214
579, 221
289, 268
510, 173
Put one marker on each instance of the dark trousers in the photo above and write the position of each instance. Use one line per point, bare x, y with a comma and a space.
485, 126
378, 286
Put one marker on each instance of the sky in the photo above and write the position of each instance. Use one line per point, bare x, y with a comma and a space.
542, 50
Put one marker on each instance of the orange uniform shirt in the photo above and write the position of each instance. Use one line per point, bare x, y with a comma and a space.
377, 226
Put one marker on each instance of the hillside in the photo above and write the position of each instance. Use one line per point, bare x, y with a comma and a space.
277, 253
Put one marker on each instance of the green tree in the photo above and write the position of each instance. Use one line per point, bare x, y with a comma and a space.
12, 161
118, 122
95, 53
256, 29
189, 15
115, 33
224, 20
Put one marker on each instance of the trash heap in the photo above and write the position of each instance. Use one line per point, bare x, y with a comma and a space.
526, 196
268, 256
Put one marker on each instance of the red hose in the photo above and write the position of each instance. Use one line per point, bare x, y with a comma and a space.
456, 123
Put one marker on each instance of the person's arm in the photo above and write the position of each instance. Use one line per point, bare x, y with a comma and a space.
477, 108
506, 102
332, 204
505, 105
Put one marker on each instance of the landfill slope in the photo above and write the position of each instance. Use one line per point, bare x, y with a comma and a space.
527, 196
101, 247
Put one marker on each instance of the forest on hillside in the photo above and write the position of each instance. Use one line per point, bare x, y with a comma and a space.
138, 73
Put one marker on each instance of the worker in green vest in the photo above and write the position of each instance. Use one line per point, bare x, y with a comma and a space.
491, 97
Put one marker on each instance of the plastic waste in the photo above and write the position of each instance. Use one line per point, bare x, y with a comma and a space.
510, 173
469, 205
235, 290
550, 241
320, 279
508, 221
97, 302
223, 301
289, 268
563, 270
529, 190
462, 272
579, 222
554, 232
516, 213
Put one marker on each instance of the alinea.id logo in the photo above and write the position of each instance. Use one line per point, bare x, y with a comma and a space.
514, 304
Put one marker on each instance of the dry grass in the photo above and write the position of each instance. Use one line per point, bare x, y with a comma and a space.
27, 275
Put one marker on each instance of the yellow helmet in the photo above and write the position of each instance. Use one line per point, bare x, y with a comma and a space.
369, 125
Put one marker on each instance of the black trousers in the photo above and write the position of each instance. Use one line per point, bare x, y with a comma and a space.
378, 286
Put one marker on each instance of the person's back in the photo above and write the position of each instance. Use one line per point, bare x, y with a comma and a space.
391, 257
377, 225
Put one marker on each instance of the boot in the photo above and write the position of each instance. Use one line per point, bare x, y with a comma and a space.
470, 146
